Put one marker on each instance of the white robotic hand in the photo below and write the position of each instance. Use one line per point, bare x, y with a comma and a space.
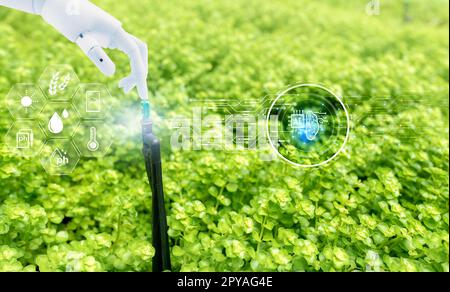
92, 29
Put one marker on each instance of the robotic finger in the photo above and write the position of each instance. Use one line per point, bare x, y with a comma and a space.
96, 54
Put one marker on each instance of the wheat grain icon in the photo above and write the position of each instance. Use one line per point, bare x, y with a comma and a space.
53, 86
65, 82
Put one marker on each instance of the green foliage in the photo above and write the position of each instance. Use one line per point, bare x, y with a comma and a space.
381, 206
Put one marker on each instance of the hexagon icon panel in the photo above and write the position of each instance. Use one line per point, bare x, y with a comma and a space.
93, 138
25, 100
24, 138
59, 119
59, 82
59, 157
92, 101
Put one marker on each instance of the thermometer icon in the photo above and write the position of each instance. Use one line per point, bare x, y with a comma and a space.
93, 144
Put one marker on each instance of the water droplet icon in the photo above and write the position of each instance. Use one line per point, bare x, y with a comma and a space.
55, 125
65, 114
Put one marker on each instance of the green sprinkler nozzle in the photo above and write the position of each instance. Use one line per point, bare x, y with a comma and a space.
145, 110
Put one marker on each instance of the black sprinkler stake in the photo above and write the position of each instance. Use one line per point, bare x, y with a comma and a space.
152, 156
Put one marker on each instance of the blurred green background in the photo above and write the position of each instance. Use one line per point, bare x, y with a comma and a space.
382, 205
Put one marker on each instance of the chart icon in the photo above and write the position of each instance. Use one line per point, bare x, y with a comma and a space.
93, 102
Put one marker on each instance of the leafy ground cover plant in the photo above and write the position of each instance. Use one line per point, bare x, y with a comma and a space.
382, 205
